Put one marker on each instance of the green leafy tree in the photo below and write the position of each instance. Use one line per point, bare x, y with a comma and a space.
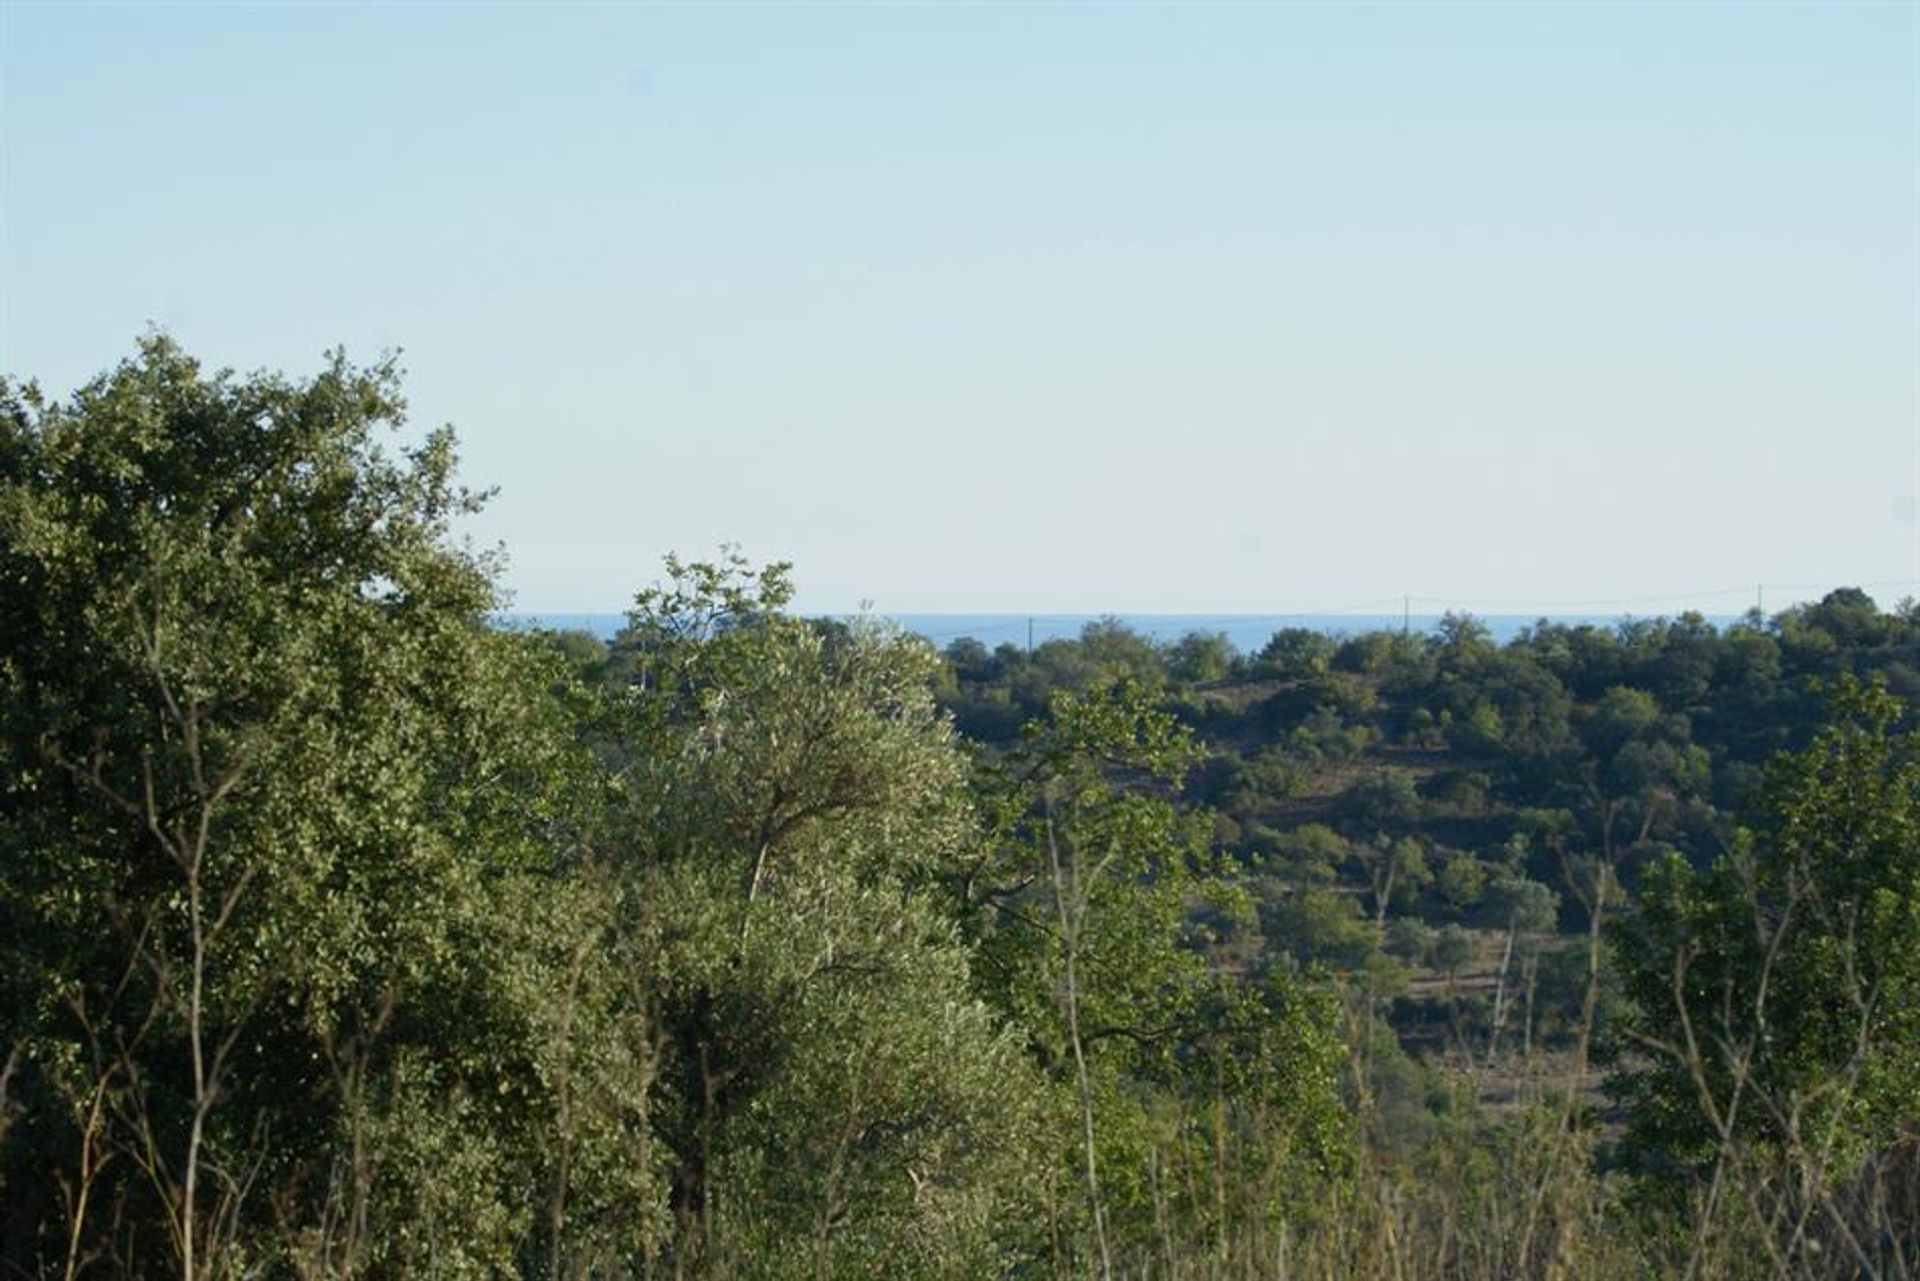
1171, 1072
269, 786
1115, 652
1199, 657
1452, 948
1382, 801
1410, 939
1524, 910
1396, 872
1295, 653
1077, 903
832, 1098
1776, 995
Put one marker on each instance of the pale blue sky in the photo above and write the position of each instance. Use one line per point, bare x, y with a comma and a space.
1179, 308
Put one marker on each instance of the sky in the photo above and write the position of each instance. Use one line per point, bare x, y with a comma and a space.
1131, 308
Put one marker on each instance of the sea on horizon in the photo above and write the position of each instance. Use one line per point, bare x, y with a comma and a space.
1245, 632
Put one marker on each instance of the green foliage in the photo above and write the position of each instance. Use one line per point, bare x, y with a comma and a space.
1201, 657
1461, 883
1384, 801
1521, 905
831, 1098
344, 933
1082, 905
1411, 939
270, 783
1452, 948
1777, 994
1317, 926
1296, 653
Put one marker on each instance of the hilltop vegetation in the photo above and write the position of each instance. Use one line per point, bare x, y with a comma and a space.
345, 934
1384, 791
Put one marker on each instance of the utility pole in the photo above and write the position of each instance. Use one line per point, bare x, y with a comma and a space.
1406, 615
1029, 635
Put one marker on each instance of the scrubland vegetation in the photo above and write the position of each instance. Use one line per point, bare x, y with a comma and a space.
346, 933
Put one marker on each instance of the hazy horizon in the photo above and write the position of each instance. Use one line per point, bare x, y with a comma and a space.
1724, 603
1248, 632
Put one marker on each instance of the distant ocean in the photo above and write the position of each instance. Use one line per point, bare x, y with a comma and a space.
1246, 632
